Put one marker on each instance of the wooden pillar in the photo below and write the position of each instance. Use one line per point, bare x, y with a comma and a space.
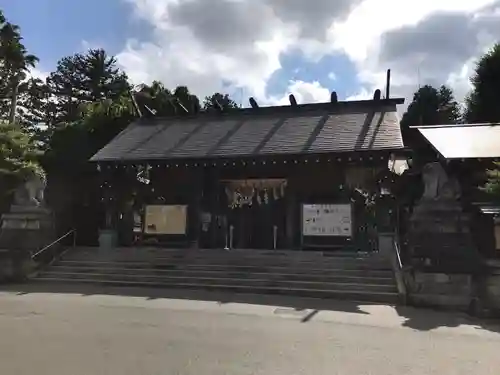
291, 215
195, 208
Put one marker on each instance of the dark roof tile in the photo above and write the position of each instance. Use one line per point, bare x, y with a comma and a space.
247, 138
133, 136
322, 128
164, 141
292, 135
202, 141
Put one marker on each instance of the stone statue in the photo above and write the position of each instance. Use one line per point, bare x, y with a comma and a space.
31, 192
437, 183
29, 225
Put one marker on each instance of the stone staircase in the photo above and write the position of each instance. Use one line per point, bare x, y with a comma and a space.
341, 275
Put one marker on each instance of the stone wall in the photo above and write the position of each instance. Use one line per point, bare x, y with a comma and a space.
451, 291
14, 266
490, 288
475, 294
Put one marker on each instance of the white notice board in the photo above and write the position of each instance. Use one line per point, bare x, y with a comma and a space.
163, 219
327, 220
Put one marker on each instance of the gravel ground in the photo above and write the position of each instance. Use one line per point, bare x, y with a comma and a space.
133, 332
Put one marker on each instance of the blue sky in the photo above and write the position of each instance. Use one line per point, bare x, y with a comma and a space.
267, 48
56, 28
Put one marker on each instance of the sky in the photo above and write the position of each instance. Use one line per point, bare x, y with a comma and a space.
270, 48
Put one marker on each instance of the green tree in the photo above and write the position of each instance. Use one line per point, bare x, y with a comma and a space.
430, 106
84, 78
219, 101
73, 182
186, 101
482, 104
18, 154
157, 100
33, 105
492, 185
15, 62
18, 159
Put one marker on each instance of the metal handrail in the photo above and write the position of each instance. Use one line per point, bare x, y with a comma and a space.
72, 231
398, 270
398, 251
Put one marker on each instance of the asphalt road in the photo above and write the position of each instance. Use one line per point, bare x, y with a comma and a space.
144, 334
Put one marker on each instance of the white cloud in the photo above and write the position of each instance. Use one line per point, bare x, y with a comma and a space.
203, 44
426, 42
86, 45
207, 43
304, 92
37, 73
332, 76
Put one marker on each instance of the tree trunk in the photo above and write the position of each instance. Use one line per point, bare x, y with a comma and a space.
13, 104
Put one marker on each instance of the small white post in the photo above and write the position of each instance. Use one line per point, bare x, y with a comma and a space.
227, 245
231, 230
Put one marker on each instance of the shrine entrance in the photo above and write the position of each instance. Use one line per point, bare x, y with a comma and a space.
256, 212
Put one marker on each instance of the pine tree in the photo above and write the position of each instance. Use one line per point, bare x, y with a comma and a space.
219, 101
15, 62
483, 101
84, 78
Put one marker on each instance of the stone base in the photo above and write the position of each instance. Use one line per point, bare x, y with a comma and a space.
14, 266
442, 290
439, 237
26, 229
490, 287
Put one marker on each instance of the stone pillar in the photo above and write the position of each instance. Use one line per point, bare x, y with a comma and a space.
25, 231
290, 208
196, 209
444, 258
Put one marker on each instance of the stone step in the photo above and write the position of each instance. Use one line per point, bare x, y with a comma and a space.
218, 280
309, 267
375, 259
249, 268
361, 296
218, 255
358, 277
305, 254
354, 276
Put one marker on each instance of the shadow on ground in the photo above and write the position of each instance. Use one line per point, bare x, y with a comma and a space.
427, 319
415, 318
298, 304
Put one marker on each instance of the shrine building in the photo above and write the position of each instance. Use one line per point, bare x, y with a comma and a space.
301, 176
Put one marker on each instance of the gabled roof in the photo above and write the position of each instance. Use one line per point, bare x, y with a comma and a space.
366, 125
460, 141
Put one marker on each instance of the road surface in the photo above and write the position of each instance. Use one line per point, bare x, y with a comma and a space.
138, 333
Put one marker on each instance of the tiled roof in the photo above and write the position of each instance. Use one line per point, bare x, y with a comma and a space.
306, 129
464, 140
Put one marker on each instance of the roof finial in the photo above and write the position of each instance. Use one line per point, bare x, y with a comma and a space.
293, 101
253, 103
388, 84
333, 97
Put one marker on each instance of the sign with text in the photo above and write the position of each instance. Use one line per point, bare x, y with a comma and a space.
160, 219
327, 220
